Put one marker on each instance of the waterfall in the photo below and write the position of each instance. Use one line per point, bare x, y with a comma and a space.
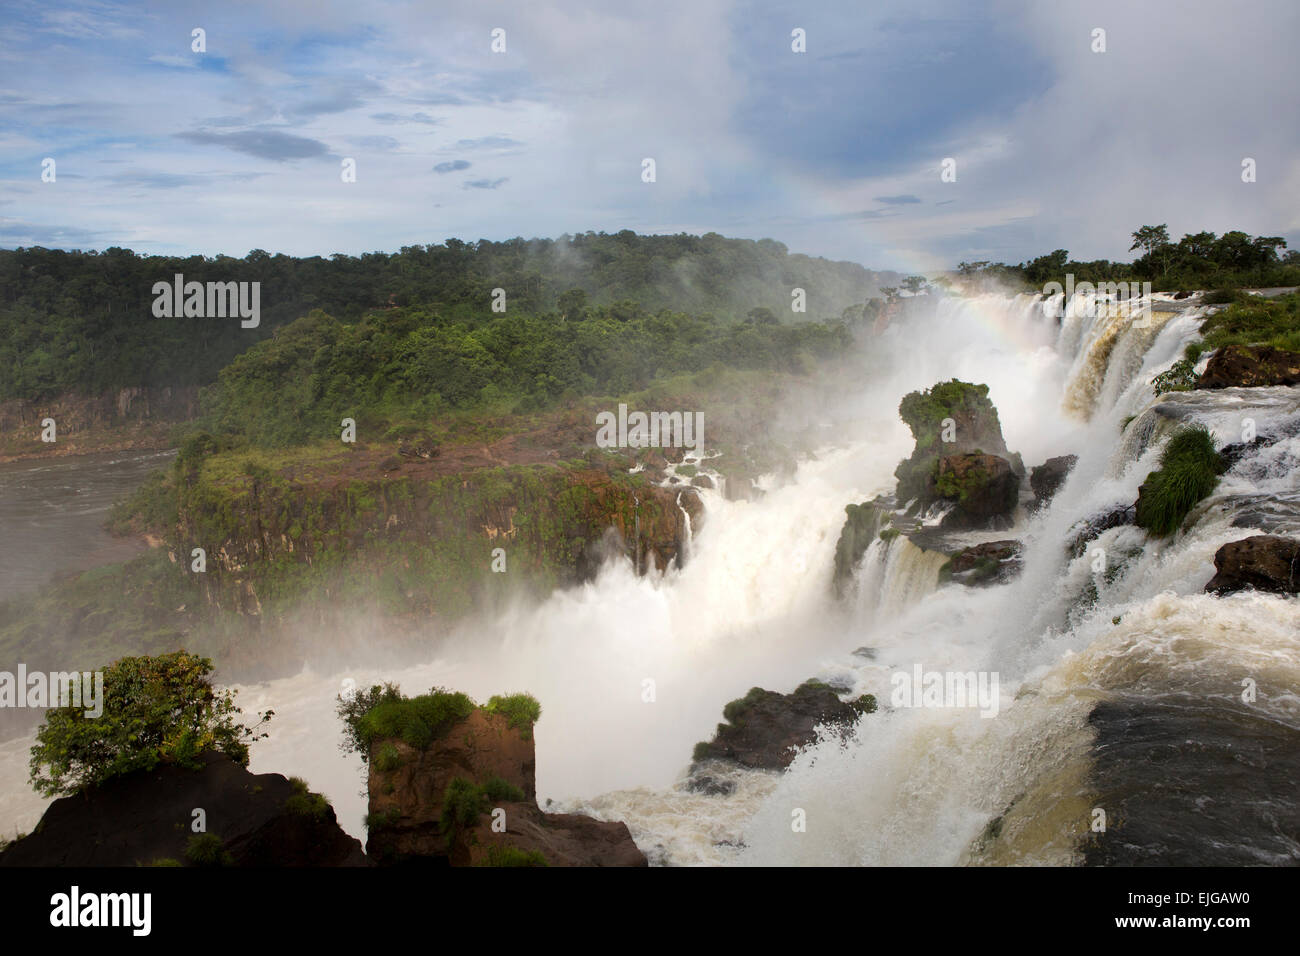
1081, 655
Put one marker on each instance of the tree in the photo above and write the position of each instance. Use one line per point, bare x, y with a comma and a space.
1150, 238
915, 284
156, 710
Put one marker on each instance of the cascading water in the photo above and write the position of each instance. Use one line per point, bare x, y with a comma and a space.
632, 671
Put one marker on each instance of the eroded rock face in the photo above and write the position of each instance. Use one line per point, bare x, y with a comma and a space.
1250, 366
983, 488
410, 788
145, 817
1265, 562
1046, 479
764, 729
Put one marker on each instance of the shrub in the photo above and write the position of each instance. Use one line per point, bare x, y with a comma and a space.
502, 791
156, 710
520, 710
1189, 470
305, 803
1179, 377
462, 804
382, 711
512, 856
388, 758
204, 849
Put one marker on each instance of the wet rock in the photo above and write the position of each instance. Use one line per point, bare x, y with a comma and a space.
1265, 562
1250, 366
1046, 479
993, 562
144, 817
861, 525
1085, 531
764, 728
702, 481
984, 489
711, 786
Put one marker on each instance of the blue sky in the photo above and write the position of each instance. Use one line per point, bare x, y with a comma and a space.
835, 151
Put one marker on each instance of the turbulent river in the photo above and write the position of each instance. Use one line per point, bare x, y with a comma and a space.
1119, 691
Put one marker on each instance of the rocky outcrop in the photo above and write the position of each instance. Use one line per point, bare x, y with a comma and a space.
1087, 530
1250, 366
949, 419
765, 729
861, 525
984, 490
146, 817
1265, 562
1046, 479
992, 562
437, 805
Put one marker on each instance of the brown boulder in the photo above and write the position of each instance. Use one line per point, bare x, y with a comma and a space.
559, 839
993, 562
984, 488
1265, 562
1250, 366
409, 797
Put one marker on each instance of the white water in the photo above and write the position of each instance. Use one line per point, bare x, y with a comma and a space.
752, 607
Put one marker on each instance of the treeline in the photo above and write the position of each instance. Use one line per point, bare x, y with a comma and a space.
408, 365
83, 321
1201, 260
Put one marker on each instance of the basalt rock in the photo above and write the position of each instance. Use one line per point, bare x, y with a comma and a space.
993, 562
1250, 366
949, 419
145, 818
861, 525
433, 806
764, 729
984, 490
1087, 530
1265, 562
1046, 479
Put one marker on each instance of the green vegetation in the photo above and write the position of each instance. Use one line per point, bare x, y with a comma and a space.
521, 710
974, 419
1200, 260
859, 530
305, 803
498, 855
388, 758
1179, 377
375, 822
866, 704
156, 710
463, 802
1254, 320
83, 321
164, 861
205, 849
1189, 470
383, 711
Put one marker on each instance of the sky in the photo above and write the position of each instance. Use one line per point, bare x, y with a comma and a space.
836, 151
